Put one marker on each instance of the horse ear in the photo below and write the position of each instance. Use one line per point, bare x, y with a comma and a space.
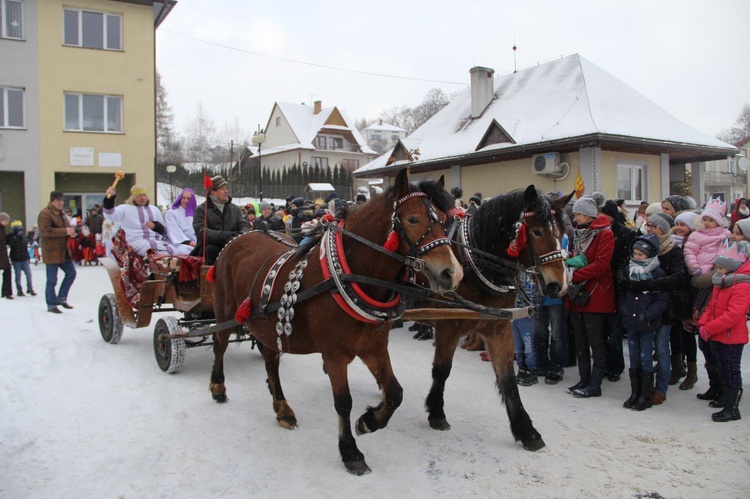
563, 201
530, 197
441, 182
401, 185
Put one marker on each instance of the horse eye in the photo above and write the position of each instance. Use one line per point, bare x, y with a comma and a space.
412, 220
537, 232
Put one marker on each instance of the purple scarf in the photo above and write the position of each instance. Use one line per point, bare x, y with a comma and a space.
190, 209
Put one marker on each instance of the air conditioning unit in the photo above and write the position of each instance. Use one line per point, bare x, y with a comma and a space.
545, 164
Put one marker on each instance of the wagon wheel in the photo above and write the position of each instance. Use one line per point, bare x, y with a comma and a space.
110, 323
170, 353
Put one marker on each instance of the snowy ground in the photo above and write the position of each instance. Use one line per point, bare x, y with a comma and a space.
82, 418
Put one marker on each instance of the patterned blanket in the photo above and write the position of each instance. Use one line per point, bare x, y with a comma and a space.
134, 272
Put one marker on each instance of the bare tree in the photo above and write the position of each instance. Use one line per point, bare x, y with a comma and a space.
741, 128
200, 137
410, 118
168, 147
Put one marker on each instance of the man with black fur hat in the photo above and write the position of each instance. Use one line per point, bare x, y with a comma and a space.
474, 202
217, 221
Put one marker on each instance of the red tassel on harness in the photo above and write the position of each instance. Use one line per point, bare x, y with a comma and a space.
519, 243
243, 312
392, 243
207, 183
211, 274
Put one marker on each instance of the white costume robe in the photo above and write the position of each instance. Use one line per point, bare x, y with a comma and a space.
179, 228
132, 220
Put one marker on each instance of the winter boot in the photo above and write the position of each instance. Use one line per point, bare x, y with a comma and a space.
647, 389
721, 400
594, 388
635, 387
731, 411
678, 369
714, 384
692, 376
31, 292
584, 373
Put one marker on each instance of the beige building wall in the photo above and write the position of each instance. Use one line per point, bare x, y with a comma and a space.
128, 73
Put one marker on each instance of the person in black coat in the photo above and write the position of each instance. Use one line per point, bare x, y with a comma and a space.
267, 219
4, 261
19, 257
217, 221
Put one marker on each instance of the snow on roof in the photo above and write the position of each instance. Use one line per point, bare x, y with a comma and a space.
566, 98
320, 186
306, 125
384, 127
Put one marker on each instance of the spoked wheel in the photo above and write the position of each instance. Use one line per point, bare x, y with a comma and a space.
110, 323
170, 353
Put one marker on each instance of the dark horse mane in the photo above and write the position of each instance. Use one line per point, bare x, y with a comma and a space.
494, 221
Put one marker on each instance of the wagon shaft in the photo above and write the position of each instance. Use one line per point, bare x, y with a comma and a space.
461, 313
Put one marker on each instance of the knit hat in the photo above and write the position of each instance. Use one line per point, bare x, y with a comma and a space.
4, 217
688, 218
217, 182
264, 205
744, 226
677, 202
653, 208
137, 190
716, 209
586, 206
599, 198
477, 198
610, 208
16, 223
648, 244
731, 255
298, 202
662, 220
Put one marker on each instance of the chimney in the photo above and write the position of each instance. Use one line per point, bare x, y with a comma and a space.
318, 106
482, 89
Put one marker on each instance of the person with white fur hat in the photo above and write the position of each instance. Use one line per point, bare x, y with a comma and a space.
704, 243
592, 247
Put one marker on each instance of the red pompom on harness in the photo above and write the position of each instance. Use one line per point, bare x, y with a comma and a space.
211, 274
244, 311
518, 243
392, 242
207, 183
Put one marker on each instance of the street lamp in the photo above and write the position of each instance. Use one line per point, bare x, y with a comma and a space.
171, 169
258, 138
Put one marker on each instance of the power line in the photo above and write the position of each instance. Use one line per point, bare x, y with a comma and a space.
294, 61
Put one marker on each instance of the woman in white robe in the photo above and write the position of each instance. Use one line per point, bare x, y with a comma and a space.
142, 223
179, 222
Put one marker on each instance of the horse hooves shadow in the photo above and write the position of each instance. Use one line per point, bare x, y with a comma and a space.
534, 445
440, 424
357, 468
288, 423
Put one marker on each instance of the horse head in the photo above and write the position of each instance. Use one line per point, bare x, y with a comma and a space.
419, 218
543, 226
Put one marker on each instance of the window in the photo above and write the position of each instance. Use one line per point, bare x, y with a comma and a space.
11, 19
278, 121
94, 30
93, 113
11, 107
335, 143
375, 136
320, 162
320, 142
630, 180
350, 164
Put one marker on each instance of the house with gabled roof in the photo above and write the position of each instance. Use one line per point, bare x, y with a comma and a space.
381, 136
544, 125
297, 134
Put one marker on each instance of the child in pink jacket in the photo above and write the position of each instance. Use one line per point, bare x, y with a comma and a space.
703, 245
724, 323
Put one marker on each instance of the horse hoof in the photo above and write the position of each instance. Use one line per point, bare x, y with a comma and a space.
440, 424
357, 468
361, 427
220, 397
288, 423
534, 445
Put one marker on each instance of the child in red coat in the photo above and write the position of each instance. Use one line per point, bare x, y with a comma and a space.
724, 323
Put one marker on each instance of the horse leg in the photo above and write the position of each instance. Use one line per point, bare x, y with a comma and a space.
353, 459
500, 348
447, 335
284, 414
379, 363
217, 387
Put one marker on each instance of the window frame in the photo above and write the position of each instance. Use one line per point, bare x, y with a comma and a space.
321, 161
106, 16
632, 168
5, 108
350, 164
4, 16
105, 113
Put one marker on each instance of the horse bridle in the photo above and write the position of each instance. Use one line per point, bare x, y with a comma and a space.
547, 258
418, 248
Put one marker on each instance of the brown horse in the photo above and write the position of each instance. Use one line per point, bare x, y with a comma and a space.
499, 224
340, 321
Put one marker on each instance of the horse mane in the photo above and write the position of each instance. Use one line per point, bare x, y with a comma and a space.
442, 199
495, 218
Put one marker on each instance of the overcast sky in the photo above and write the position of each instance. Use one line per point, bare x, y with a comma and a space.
237, 58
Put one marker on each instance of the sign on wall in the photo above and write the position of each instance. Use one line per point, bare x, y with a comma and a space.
81, 156
110, 159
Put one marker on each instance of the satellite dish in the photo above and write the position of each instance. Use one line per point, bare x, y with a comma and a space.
743, 164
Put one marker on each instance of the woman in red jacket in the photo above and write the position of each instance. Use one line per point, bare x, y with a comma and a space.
724, 323
593, 239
